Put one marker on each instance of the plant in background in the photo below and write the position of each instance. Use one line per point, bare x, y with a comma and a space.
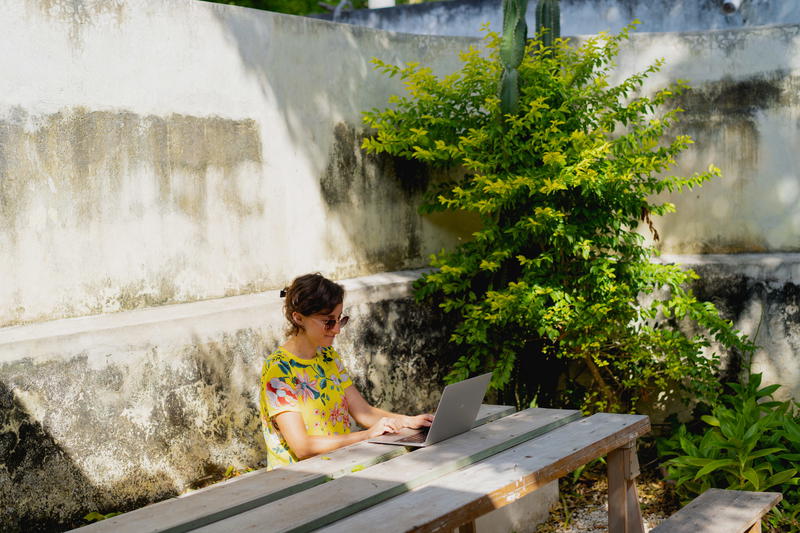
748, 443
552, 282
512, 48
548, 18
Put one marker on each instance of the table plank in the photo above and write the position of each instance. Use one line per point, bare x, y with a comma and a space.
254, 489
357, 491
456, 499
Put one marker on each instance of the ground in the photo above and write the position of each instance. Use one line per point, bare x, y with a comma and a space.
584, 499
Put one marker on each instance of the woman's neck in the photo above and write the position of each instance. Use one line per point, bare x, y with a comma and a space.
301, 346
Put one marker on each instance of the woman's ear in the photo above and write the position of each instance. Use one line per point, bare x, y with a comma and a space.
297, 318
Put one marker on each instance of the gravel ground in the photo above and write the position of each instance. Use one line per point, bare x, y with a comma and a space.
584, 502
594, 519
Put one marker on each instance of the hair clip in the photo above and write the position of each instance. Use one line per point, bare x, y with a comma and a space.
283, 293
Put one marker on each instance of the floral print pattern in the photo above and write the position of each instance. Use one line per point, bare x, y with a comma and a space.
312, 387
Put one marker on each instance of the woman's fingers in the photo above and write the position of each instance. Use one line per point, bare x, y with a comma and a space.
419, 421
390, 425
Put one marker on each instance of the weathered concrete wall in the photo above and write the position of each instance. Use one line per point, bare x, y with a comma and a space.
760, 293
168, 151
743, 114
111, 412
165, 151
578, 17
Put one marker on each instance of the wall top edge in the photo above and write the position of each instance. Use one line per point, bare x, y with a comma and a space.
746, 259
358, 290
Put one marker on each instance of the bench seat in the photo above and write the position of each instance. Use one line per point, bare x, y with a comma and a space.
722, 511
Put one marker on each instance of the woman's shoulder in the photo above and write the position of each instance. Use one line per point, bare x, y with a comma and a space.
329, 354
277, 355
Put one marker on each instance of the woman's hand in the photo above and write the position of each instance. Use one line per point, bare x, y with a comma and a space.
384, 425
419, 421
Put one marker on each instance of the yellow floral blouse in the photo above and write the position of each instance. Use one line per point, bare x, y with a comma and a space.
312, 387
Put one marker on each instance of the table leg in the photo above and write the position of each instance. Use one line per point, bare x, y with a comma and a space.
624, 514
469, 527
756, 528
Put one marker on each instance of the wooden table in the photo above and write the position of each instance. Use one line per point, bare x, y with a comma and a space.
437, 488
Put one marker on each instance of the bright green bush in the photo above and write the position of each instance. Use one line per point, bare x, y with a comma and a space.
748, 443
552, 282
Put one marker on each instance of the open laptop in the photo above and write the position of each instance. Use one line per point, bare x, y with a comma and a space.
455, 414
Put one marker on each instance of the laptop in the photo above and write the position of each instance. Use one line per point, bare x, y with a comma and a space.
455, 414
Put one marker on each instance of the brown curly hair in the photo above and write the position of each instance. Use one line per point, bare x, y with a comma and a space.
310, 294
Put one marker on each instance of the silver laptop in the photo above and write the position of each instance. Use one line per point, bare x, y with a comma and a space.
455, 414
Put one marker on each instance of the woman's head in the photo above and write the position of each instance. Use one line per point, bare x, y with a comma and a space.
308, 295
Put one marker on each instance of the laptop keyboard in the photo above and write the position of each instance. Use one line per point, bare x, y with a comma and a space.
418, 437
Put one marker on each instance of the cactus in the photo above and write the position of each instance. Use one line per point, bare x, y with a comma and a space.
548, 15
512, 47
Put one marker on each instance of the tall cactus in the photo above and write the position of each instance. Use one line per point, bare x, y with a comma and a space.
512, 44
512, 47
548, 15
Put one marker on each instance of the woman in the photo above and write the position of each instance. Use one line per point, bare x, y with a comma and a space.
307, 398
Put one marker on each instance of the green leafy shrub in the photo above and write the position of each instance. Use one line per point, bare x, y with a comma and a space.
747, 443
551, 283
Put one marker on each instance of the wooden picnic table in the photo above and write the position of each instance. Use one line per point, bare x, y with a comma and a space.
437, 488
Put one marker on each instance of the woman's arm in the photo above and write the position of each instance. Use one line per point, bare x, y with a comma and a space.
367, 415
304, 445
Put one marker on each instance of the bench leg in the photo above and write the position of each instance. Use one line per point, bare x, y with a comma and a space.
755, 528
624, 514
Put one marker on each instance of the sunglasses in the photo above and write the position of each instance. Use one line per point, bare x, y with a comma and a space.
330, 323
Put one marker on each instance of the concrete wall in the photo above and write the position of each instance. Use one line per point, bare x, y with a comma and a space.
760, 293
742, 113
175, 161
578, 17
110, 412
164, 151
164, 166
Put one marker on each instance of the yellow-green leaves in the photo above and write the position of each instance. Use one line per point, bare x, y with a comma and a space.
557, 268
555, 159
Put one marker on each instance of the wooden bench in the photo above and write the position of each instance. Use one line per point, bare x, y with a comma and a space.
722, 511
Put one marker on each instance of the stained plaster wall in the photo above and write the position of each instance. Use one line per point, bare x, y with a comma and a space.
742, 112
164, 151
114, 411
760, 293
164, 166
155, 154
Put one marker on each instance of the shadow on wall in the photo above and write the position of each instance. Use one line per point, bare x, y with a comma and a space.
769, 310
126, 432
319, 89
35, 468
399, 355
744, 119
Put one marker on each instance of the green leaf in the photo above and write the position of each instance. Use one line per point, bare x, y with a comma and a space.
752, 477
767, 391
712, 466
780, 478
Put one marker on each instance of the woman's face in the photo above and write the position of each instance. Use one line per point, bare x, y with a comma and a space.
315, 330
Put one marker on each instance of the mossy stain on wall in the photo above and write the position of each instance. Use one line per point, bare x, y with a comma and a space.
92, 175
371, 193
